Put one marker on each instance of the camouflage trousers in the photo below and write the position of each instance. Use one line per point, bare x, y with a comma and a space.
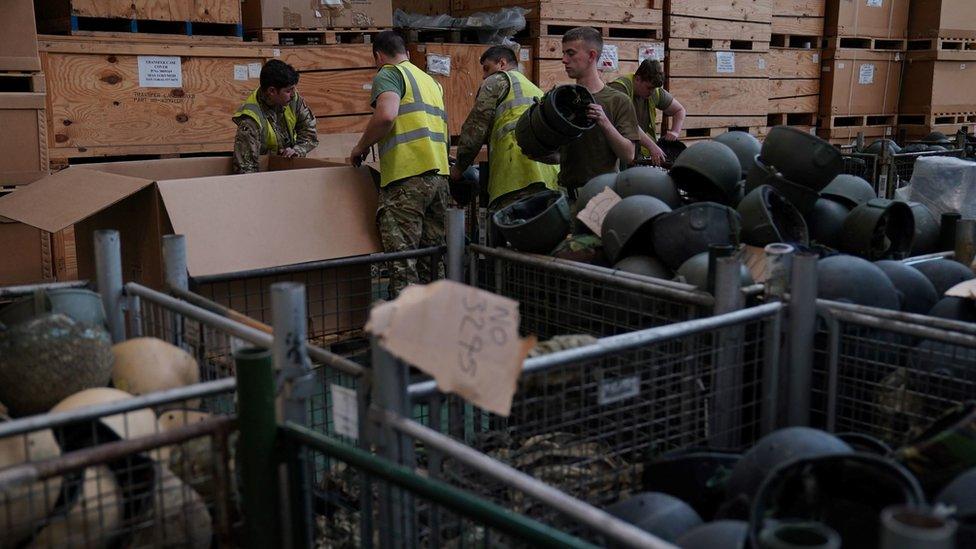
412, 214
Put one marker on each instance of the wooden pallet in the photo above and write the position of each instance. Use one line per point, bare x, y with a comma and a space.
858, 121
942, 44
938, 119
711, 44
803, 26
22, 82
692, 134
843, 136
801, 119
101, 26
863, 43
795, 41
315, 36
544, 28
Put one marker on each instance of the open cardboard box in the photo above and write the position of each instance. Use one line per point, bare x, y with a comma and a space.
294, 211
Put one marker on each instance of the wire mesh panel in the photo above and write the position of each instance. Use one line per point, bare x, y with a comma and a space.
560, 299
888, 381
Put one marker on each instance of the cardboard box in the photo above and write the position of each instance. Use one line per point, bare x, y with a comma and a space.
27, 257
858, 82
23, 141
273, 14
18, 37
869, 19
942, 18
233, 223
933, 86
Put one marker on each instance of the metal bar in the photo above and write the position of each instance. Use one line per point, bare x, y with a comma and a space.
258, 428
802, 329
727, 371
833, 348
108, 273
445, 495
455, 244
928, 257
174, 262
28, 289
771, 356
871, 321
325, 264
619, 531
624, 342
227, 312
912, 319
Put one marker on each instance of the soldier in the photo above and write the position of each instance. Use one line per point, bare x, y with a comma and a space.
646, 88
504, 95
274, 119
603, 148
410, 125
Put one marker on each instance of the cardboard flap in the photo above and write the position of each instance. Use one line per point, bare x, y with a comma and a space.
168, 168
243, 222
67, 197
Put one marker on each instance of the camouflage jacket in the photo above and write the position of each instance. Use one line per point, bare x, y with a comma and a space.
477, 127
249, 141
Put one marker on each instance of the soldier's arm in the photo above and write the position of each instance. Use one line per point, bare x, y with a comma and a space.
247, 146
476, 129
307, 137
677, 113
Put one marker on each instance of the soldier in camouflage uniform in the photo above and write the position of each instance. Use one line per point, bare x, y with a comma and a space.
409, 125
273, 119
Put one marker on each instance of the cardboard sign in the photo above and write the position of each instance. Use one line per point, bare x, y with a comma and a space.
596, 209
345, 411
465, 338
965, 290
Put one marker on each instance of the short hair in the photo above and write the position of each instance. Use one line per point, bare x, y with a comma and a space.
497, 53
278, 74
648, 68
589, 35
389, 43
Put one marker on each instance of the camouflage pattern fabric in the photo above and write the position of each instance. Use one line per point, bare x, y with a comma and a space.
477, 127
585, 248
412, 214
946, 449
249, 143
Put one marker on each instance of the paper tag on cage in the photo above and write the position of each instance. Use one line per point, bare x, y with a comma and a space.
345, 411
653, 51
596, 209
608, 59
966, 290
615, 390
439, 64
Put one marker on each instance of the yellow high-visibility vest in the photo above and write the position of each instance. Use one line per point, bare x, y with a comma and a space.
628, 82
252, 109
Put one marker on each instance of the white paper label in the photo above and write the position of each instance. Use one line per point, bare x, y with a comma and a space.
318, 14
254, 70
615, 390
240, 72
654, 52
874, 3
157, 71
761, 63
276, 52
523, 55
368, 86
724, 62
439, 64
865, 74
422, 48
345, 411
840, 66
816, 58
608, 59
962, 66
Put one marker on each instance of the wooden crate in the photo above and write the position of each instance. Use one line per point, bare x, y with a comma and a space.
799, 8
97, 107
549, 69
23, 141
715, 34
18, 38
721, 97
885, 19
179, 17
738, 10
942, 19
932, 85
793, 63
423, 7
855, 82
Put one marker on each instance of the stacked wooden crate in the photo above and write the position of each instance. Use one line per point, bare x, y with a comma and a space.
717, 64
191, 18
794, 62
301, 22
862, 67
940, 69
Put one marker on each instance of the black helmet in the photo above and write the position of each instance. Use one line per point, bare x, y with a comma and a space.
846, 491
849, 190
536, 223
953, 308
915, 148
801, 157
803, 198
671, 149
878, 229
627, 226
586, 193
707, 171
865, 443
534, 138
643, 265
827, 222
565, 109
855, 280
745, 146
695, 476
936, 137
662, 515
727, 534
690, 229
650, 181
927, 229
944, 273
768, 217
694, 271
880, 144
775, 449
960, 497
916, 293
790, 534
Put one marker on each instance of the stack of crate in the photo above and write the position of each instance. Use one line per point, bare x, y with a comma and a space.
717, 64
862, 68
631, 31
131, 17
940, 70
794, 63
304, 22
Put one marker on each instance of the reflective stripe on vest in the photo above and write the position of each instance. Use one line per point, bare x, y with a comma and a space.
417, 143
252, 109
508, 169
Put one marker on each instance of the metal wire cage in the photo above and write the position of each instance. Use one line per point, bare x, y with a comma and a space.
889, 172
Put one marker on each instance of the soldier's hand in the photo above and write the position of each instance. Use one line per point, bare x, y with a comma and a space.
671, 136
357, 156
288, 153
595, 113
657, 155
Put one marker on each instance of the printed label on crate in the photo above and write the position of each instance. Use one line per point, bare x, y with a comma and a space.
724, 62
276, 52
962, 66
345, 411
865, 74
240, 72
608, 59
523, 54
761, 63
874, 3
596, 209
654, 52
439, 64
254, 70
158, 71
615, 390
816, 58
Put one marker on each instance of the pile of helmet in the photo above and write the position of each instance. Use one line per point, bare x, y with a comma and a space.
802, 482
56, 355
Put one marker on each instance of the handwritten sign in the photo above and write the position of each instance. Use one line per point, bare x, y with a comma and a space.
965, 290
439, 64
865, 75
465, 338
596, 209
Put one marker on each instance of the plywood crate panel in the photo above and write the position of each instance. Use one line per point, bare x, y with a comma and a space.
18, 37
739, 10
716, 64
881, 19
798, 26
461, 84
855, 82
942, 18
936, 86
23, 141
697, 28
799, 8
793, 63
721, 96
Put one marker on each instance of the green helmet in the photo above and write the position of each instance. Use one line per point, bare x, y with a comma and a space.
768, 217
878, 229
927, 229
536, 223
643, 265
878, 145
650, 181
849, 190
691, 229
745, 146
801, 157
708, 171
627, 226
827, 222
695, 272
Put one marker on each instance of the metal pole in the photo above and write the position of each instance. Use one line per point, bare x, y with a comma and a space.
455, 244
965, 245
779, 262
108, 274
259, 480
910, 528
727, 369
802, 329
174, 262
